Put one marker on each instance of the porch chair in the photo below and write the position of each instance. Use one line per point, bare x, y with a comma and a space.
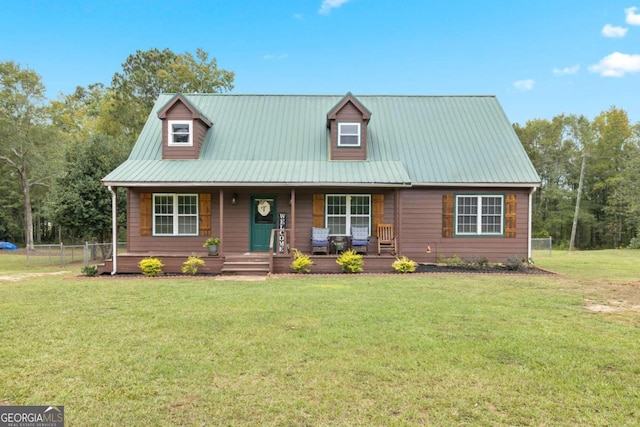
386, 238
360, 239
319, 240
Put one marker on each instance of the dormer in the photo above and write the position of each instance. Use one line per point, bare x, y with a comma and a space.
347, 122
183, 129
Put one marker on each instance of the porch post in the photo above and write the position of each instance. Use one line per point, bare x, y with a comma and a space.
114, 230
292, 244
529, 225
221, 222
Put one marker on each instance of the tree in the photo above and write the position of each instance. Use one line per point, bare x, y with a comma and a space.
78, 201
77, 115
146, 74
28, 143
552, 150
609, 155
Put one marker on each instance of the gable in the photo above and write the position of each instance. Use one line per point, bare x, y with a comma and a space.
183, 129
348, 122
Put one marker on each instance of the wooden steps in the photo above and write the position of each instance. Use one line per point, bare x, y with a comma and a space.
249, 264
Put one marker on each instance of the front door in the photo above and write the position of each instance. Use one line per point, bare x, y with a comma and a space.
263, 220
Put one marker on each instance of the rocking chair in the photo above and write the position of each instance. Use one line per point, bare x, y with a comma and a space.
386, 239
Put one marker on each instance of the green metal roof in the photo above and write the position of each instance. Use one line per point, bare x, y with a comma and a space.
284, 139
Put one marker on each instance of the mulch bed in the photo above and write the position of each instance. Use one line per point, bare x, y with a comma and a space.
435, 268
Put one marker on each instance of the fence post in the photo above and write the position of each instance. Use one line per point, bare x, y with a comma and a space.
61, 255
86, 254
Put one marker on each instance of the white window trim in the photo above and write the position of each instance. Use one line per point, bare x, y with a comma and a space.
175, 214
478, 231
170, 133
359, 134
348, 213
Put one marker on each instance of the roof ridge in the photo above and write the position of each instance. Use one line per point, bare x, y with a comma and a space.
332, 95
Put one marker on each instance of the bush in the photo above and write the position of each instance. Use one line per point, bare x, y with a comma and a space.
151, 266
301, 262
191, 265
351, 262
404, 265
515, 263
478, 262
454, 261
634, 243
90, 270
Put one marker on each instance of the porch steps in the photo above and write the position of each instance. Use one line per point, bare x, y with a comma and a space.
250, 264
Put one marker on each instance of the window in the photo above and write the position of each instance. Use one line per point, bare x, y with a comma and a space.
348, 134
175, 215
180, 132
479, 214
345, 211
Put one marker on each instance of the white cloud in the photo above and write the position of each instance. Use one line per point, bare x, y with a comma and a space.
327, 5
281, 56
297, 15
524, 84
617, 65
611, 31
566, 70
632, 17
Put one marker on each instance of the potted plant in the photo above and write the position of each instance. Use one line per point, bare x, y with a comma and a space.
212, 245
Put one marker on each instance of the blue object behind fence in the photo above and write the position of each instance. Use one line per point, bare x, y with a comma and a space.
8, 246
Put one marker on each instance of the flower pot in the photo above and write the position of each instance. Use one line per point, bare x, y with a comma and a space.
213, 249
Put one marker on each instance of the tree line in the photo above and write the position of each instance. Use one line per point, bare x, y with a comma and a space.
596, 160
53, 155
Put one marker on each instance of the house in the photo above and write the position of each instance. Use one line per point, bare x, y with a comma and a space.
259, 171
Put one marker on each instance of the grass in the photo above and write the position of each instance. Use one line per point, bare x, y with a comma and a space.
340, 350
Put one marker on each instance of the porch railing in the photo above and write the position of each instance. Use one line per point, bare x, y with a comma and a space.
280, 242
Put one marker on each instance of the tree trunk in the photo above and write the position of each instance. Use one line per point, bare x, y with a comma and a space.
28, 216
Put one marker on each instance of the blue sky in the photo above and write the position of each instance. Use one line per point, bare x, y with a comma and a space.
540, 58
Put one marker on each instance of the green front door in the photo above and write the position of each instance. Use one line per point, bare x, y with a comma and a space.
263, 220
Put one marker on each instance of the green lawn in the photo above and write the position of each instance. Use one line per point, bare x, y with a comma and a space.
336, 350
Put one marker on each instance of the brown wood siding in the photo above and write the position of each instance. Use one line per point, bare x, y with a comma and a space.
421, 228
349, 113
139, 242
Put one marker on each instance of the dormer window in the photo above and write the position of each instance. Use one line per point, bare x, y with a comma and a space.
348, 134
180, 133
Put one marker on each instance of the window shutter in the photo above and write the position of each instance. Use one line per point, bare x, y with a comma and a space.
510, 216
378, 210
145, 214
447, 215
205, 214
318, 210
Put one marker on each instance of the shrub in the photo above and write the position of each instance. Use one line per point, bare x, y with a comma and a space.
454, 261
301, 262
404, 265
515, 263
634, 243
351, 261
151, 266
192, 264
478, 262
89, 270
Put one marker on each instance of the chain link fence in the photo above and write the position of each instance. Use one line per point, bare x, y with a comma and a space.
61, 254
541, 244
